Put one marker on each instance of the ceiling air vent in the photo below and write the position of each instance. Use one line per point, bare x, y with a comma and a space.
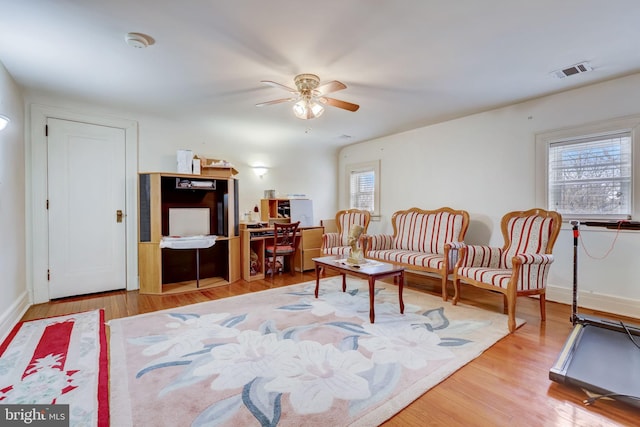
582, 67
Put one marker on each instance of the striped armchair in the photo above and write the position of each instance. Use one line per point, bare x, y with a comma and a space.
520, 267
337, 243
422, 240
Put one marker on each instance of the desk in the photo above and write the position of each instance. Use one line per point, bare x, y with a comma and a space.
255, 239
375, 270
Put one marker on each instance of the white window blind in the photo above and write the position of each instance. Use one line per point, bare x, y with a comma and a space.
362, 189
591, 177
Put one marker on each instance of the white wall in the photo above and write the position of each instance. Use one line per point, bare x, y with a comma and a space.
303, 169
13, 281
309, 170
485, 164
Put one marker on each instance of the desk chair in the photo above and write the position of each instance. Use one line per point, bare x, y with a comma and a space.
284, 243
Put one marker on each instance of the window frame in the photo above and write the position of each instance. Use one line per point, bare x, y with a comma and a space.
373, 166
603, 128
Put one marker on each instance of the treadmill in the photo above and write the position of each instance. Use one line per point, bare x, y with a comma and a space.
600, 356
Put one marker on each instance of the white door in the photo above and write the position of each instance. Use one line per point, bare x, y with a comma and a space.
86, 199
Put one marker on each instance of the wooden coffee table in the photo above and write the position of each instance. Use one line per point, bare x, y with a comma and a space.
371, 271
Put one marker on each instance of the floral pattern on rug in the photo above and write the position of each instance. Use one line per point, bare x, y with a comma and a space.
338, 359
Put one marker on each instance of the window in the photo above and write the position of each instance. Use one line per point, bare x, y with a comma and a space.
590, 175
364, 186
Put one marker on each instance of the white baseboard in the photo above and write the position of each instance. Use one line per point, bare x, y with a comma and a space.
606, 303
12, 316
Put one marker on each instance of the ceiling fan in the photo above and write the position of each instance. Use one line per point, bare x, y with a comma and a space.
310, 96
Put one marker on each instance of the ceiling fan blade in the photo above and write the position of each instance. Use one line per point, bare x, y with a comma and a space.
275, 101
329, 87
278, 85
340, 104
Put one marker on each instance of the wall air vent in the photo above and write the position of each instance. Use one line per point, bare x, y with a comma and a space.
580, 68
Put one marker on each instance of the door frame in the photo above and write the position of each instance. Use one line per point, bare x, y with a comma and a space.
36, 175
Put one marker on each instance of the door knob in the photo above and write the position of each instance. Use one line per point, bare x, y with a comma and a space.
119, 215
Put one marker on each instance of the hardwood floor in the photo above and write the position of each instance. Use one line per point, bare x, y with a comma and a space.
508, 385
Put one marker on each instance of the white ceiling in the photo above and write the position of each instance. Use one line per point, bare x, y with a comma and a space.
408, 63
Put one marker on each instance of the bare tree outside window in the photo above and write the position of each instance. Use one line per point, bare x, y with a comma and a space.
592, 176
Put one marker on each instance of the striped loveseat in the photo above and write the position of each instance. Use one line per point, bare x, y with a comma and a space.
422, 240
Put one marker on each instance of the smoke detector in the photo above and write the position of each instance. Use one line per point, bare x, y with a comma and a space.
139, 40
580, 68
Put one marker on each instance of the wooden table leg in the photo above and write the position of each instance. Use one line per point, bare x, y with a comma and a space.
400, 286
317, 279
197, 267
372, 313
344, 282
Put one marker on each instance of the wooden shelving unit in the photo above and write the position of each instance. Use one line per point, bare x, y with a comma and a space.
287, 210
274, 209
169, 270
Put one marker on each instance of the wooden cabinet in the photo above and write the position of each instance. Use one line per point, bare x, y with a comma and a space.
165, 200
309, 247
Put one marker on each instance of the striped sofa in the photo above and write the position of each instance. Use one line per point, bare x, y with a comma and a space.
422, 240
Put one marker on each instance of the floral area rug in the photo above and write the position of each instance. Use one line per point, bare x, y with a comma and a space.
58, 360
281, 357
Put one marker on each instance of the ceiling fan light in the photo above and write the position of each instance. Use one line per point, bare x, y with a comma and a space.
305, 109
300, 110
316, 109
309, 98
